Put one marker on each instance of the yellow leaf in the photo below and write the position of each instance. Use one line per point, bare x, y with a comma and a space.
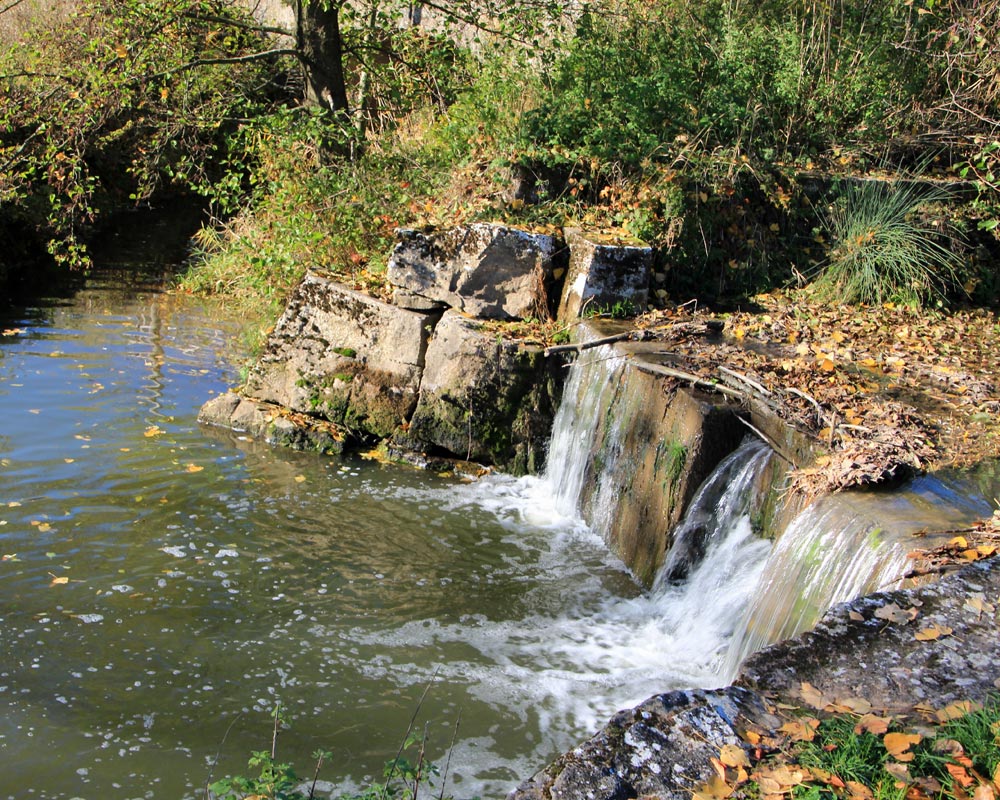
714, 789
300, 478
194, 468
827, 365
734, 756
59, 581
164, 94
898, 745
800, 730
152, 430
960, 542
813, 696
120, 51
932, 633
873, 724
956, 710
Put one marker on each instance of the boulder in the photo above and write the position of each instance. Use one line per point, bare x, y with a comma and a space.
483, 399
343, 356
484, 270
272, 424
605, 275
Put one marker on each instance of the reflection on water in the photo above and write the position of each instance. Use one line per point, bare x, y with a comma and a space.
164, 585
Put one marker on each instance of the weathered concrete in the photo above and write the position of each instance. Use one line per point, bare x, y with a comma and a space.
853, 652
660, 750
483, 399
484, 270
273, 424
343, 356
605, 274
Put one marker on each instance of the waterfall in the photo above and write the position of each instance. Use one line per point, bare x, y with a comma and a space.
593, 379
725, 590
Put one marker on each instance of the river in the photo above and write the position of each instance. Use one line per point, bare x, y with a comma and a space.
165, 586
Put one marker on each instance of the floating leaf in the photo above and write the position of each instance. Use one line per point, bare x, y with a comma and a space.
152, 430
300, 478
194, 468
61, 580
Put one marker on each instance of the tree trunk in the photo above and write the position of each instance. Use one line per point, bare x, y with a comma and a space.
321, 50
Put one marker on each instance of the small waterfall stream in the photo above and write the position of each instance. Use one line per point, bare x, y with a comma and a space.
724, 591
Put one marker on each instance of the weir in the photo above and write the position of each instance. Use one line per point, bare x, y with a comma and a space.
744, 566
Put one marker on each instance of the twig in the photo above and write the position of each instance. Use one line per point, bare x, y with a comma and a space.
579, 348
409, 729
768, 441
658, 369
218, 755
810, 398
274, 735
739, 376
451, 749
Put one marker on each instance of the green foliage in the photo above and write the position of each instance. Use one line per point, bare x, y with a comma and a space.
881, 251
274, 781
106, 108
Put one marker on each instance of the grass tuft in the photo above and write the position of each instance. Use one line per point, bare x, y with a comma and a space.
881, 250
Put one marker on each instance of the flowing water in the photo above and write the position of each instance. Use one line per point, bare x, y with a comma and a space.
163, 585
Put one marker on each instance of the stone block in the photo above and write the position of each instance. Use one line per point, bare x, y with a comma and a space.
483, 399
343, 356
605, 275
486, 271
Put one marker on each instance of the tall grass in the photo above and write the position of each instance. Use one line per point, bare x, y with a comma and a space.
881, 250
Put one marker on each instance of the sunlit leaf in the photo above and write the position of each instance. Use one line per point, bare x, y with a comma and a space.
873, 724
152, 430
898, 744
932, 632
194, 468
61, 580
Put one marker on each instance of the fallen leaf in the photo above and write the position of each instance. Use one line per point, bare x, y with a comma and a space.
873, 724
932, 633
893, 613
194, 468
956, 710
900, 772
959, 775
300, 478
984, 792
59, 581
800, 730
714, 789
152, 430
733, 755
813, 696
854, 615
898, 744
858, 791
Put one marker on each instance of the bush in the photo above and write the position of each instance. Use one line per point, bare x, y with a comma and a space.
881, 251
